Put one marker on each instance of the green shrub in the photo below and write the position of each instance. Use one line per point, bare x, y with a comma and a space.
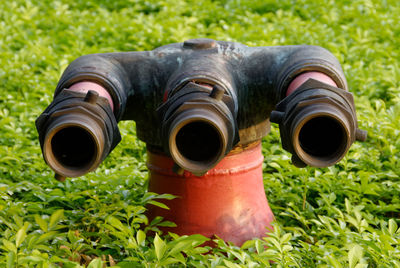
342, 216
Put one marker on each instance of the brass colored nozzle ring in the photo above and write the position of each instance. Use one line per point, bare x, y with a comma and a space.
321, 136
73, 146
198, 140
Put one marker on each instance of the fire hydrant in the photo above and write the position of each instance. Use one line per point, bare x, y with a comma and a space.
202, 107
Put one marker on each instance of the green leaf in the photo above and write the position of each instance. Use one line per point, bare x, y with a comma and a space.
72, 237
248, 244
41, 222
21, 235
158, 204
11, 259
140, 237
180, 246
167, 224
55, 218
30, 259
334, 262
259, 246
150, 195
116, 223
159, 246
201, 250
231, 264
392, 227
348, 206
355, 255
180, 257
362, 265
285, 238
156, 220
10, 246
197, 239
169, 261
131, 244
96, 263
46, 236
239, 256
165, 196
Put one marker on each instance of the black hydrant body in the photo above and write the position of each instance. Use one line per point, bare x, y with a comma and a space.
194, 102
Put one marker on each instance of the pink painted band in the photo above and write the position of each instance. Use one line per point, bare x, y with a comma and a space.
85, 86
300, 79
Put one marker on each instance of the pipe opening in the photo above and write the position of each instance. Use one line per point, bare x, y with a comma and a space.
323, 137
74, 147
199, 141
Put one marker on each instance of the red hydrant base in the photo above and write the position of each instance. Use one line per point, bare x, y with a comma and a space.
228, 201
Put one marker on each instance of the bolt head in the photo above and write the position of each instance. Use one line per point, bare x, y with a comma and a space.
199, 43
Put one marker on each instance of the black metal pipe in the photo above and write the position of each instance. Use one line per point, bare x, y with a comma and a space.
257, 77
196, 100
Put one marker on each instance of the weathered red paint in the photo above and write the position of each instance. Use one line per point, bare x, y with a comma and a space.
228, 201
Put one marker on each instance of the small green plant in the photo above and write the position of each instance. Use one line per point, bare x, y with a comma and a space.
343, 216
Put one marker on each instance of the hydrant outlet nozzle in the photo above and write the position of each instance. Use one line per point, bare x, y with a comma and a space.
317, 124
198, 127
77, 131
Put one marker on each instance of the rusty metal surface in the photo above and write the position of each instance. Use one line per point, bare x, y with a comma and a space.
228, 201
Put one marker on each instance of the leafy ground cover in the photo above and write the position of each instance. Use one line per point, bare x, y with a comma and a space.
347, 215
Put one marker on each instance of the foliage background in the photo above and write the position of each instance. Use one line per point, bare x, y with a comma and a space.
342, 216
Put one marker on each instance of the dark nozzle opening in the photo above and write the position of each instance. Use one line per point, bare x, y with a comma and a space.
198, 128
74, 147
199, 141
323, 137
